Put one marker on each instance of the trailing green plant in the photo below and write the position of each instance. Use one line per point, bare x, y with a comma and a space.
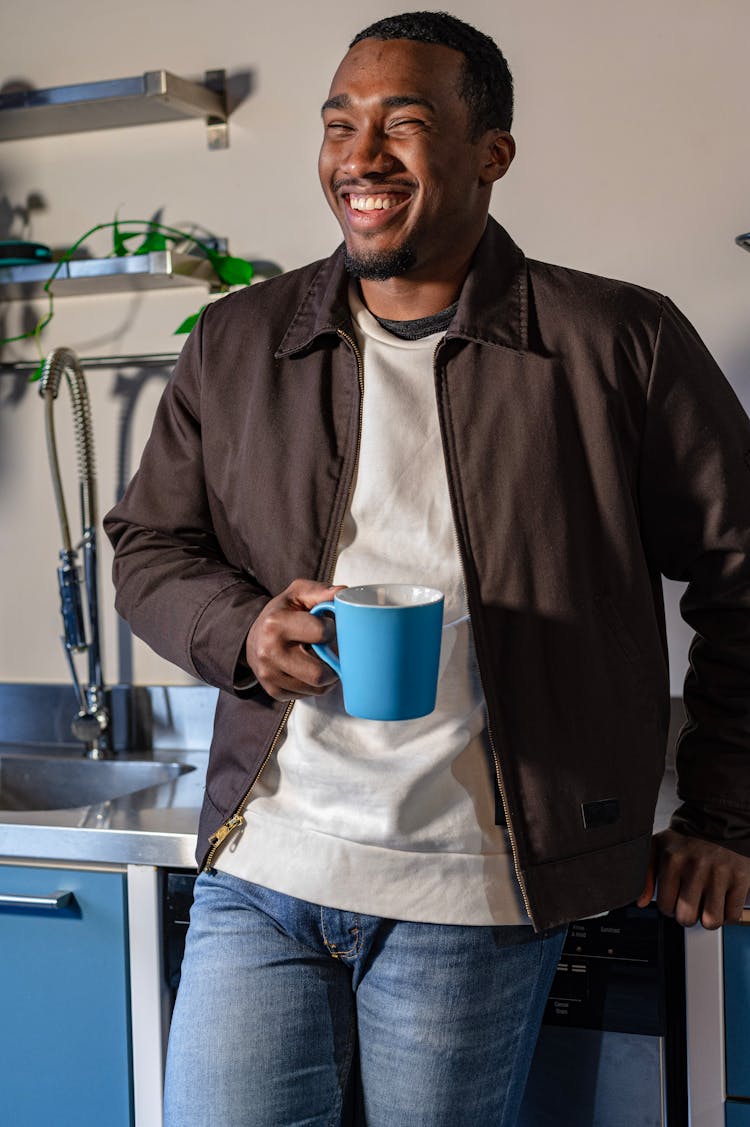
230, 270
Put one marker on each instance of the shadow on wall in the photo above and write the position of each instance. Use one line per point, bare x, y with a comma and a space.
739, 370
126, 393
16, 222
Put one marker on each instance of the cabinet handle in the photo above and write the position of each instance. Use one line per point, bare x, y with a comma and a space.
52, 903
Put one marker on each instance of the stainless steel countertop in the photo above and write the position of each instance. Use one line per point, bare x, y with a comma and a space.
156, 826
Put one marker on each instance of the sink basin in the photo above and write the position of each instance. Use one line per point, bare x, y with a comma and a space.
56, 783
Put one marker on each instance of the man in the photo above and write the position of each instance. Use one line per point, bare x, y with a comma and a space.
429, 406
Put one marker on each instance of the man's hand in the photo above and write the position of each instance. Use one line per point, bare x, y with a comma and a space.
276, 647
696, 880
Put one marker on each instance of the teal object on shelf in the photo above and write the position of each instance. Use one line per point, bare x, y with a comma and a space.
17, 252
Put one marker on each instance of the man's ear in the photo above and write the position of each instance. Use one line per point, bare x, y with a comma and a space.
498, 150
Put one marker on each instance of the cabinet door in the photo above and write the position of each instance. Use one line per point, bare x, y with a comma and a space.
736, 1008
737, 1115
64, 1034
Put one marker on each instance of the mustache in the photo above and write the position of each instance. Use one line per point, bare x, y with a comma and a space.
370, 183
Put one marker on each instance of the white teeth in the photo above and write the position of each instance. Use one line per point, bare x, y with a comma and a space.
371, 203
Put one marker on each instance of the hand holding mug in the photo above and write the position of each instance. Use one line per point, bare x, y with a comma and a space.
276, 648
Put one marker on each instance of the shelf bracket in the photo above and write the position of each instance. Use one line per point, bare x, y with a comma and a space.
217, 127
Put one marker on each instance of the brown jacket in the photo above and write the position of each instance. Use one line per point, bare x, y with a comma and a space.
591, 445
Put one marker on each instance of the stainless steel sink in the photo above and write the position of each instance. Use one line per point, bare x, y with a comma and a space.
33, 782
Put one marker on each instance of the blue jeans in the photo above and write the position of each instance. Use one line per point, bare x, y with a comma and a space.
282, 1002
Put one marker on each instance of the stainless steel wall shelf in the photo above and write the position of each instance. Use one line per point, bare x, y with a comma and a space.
139, 360
155, 96
155, 270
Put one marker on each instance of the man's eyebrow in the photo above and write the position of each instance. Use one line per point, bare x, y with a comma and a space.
337, 102
393, 101
396, 100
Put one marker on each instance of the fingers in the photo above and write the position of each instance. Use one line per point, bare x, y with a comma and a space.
699, 880
276, 646
306, 593
735, 903
684, 880
649, 885
695, 890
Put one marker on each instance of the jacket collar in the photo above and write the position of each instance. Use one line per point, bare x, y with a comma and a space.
492, 307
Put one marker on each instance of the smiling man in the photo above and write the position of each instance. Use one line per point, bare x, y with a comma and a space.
381, 904
408, 171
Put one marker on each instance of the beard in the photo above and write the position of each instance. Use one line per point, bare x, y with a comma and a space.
378, 266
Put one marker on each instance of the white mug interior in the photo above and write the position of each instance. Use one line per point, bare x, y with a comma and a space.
389, 595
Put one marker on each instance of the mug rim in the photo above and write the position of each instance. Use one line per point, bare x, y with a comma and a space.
431, 595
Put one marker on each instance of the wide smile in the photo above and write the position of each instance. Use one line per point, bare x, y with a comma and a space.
371, 210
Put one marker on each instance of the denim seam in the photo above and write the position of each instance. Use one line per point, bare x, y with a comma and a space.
544, 940
345, 1070
357, 945
338, 954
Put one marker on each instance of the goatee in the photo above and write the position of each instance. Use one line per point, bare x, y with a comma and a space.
378, 266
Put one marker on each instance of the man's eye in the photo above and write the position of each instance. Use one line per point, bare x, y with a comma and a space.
337, 126
405, 123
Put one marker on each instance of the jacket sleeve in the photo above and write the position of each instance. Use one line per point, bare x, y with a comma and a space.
695, 509
173, 583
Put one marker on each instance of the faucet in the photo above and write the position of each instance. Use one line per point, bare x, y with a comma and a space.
91, 724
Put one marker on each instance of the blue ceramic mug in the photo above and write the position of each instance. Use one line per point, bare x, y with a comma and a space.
389, 637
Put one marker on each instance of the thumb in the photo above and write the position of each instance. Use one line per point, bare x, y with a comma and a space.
307, 593
649, 886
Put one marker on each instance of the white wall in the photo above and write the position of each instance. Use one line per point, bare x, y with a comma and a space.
632, 161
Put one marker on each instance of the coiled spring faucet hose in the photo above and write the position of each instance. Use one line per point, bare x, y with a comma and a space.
92, 722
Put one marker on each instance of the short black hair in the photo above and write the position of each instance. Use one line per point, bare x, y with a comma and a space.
487, 84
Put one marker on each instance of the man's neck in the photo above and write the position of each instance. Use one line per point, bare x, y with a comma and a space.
399, 300
406, 299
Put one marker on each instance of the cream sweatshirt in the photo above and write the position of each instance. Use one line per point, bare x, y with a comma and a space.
390, 818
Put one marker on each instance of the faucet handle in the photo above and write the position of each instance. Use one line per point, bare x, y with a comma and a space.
90, 728
71, 608
86, 726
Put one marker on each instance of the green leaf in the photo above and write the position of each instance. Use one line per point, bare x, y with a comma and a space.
36, 375
118, 240
153, 241
189, 323
120, 245
232, 271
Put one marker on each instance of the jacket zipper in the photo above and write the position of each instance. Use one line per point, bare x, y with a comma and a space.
238, 817
495, 758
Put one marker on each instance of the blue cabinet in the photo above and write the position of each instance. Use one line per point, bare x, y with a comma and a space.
737, 1115
736, 941
65, 1029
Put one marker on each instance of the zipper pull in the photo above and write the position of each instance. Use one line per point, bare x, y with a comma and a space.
223, 832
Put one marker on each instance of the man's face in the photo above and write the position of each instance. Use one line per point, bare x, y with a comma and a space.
396, 164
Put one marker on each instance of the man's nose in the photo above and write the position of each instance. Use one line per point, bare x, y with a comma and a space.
368, 153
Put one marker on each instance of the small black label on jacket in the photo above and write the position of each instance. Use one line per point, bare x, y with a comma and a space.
601, 813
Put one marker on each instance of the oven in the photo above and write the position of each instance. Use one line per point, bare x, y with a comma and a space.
612, 1050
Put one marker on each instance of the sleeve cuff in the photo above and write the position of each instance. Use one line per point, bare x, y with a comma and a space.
713, 823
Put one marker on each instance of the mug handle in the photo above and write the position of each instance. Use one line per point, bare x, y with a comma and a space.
327, 655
